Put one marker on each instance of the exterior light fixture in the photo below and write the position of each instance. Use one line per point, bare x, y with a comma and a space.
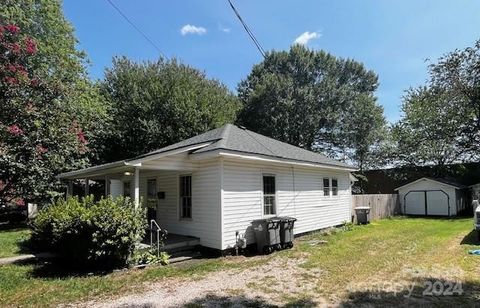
127, 173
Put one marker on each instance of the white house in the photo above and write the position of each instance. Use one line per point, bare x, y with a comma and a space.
215, 184
432, 197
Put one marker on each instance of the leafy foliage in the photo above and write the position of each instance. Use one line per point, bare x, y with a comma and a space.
58, 62
38, 138
102, 233
149, 257
441, 121
159, 103
313, 100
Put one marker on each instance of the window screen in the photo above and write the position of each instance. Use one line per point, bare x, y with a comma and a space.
326, 187
269, 195
186, 196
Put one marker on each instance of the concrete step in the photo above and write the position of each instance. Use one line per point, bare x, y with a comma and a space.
184, 257
183, 244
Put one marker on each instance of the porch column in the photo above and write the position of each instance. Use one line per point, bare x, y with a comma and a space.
70, 188
107, 186
87, 186
137, 188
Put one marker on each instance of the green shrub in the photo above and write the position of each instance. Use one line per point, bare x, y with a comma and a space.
149, 257
100, 234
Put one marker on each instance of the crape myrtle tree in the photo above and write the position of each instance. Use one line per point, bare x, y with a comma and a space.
62, 64
155, 104
38, 138
441, 120
316, 101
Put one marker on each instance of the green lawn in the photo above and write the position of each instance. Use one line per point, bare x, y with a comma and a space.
10, 241
377, 264
382, 262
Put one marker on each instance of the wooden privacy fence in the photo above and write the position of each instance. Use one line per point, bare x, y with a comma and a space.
381, 205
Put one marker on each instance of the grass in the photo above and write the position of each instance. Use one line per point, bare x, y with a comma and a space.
47, 285
11, 240
382, 261
353, 267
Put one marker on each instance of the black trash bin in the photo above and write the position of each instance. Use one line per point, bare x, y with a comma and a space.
286, 231
363, 215
267, 234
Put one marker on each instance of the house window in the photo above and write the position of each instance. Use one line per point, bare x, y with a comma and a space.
126, 189
269, 195
152, 193
186, 196
326, 186
334, 187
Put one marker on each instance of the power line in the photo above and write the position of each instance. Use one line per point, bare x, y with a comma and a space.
247, 29
136, 28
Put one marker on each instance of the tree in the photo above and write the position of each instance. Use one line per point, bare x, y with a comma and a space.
312, 99
456, 77
155, 104
441, 120
430, 128
362, 133
38, 138
58, 61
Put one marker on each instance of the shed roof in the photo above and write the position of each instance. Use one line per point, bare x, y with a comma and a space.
448, 182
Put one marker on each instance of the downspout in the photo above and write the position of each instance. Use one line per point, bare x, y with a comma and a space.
294, 193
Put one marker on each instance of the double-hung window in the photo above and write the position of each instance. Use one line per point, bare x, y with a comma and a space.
269, 195
334, 187
326, 186
186, 196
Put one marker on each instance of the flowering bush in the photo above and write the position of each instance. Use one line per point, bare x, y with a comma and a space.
38, 138
96, 234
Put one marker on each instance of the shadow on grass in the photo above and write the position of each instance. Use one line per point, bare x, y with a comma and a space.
431, 217
212, 300
471, 238
13, 227
54, 268
421, 292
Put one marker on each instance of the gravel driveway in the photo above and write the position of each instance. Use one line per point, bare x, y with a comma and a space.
257, 286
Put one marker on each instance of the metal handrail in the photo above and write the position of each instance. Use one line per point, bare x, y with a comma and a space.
154, 223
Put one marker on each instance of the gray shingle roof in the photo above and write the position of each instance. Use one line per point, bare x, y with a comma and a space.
233, 138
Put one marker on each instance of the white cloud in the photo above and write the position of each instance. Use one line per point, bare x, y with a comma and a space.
224, 29
305, 37
191, 29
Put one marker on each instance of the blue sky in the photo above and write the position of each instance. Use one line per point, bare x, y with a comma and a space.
393, 38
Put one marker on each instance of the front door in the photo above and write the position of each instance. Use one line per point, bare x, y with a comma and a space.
152, 200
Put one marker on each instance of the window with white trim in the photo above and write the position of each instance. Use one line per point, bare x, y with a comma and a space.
269, 195
326, 186
334, 187
186, 196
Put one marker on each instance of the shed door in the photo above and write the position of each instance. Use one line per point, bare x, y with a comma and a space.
415, 203
437, 203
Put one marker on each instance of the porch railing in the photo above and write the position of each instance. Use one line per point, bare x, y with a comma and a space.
153, 223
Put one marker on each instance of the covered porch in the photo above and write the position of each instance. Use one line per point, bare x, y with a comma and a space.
150, 183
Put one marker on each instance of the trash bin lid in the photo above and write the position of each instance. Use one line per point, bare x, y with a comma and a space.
362, 208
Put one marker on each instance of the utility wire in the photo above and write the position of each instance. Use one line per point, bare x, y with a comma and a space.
136, 28
247, 29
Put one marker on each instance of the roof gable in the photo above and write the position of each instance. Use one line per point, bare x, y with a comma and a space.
442, 181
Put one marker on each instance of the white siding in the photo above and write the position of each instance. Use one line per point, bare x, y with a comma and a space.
299, 194
429, 185
205, 222
116, 188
